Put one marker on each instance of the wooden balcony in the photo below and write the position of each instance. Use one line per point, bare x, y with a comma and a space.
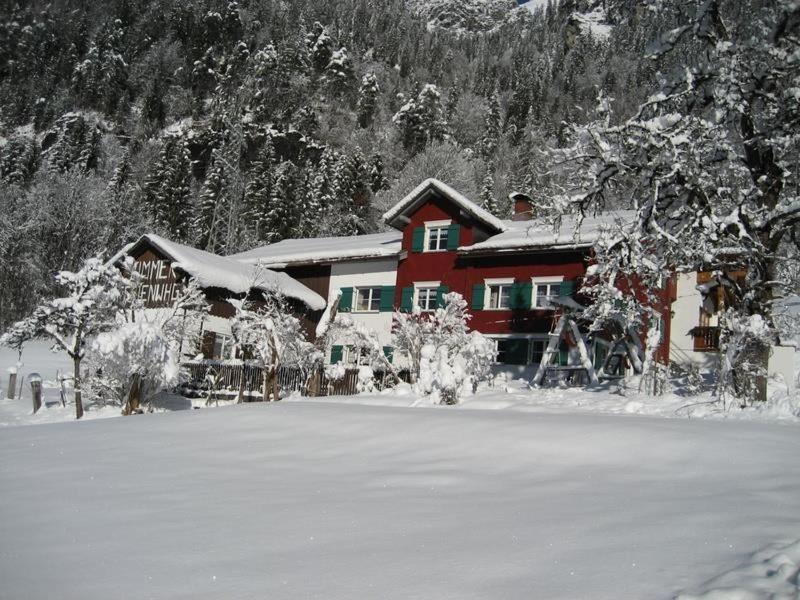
706, 339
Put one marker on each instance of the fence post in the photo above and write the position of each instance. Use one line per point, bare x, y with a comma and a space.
36, 390
12, 382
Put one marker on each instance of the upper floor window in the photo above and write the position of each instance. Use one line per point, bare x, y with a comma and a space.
545, 291
498, 294
368, 299
436, 235
426, 295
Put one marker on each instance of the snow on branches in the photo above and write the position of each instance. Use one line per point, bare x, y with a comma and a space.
92, 300
446, 359
266, 330
709, 159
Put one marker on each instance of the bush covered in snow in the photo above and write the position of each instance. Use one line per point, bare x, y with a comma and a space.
267, 331
133, 363
447, 361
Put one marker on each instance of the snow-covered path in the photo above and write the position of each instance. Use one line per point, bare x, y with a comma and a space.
310, 500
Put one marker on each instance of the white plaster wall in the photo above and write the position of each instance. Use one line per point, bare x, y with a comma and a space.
783, 364
685, 316
366, 274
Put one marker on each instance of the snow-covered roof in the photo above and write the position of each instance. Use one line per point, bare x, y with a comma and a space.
420, 193
327, 249
212, 270
522, 235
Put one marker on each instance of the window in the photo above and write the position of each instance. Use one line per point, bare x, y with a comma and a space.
498, 294
426, 298
520, 351
223, 347
368, 299
511, 351
354, 356
436, 235
537, 351
545, 291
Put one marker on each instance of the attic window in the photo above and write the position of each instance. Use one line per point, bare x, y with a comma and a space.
436, 235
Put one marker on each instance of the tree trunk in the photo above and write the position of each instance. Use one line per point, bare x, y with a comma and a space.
134, 396
76, 382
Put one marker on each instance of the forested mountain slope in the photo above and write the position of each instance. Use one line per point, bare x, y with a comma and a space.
227, 125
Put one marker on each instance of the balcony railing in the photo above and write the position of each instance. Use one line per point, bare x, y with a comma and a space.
706, 339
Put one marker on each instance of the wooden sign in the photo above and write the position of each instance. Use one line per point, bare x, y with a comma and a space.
159, 286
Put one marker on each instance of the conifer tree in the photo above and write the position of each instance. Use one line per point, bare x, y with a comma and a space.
339, 72
420, 119
320, 47
492, 123
258, 191
209, 219
168, 187
367, 100
377, 178
487, 198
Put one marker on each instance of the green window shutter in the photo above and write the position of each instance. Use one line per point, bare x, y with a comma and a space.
519, 352
388, 352
418, 239
387, 298
567, 289
563, 355
440, 292
478, 292
346, 301
407, 299
525, 295
336, 354
599, 356
453, 236
517, 299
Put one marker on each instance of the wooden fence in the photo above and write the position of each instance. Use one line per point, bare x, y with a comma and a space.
228, 380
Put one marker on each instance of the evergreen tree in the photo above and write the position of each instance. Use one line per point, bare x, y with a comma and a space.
367, 100
281, 218
492, 123
168, 187
209, 219
258, 191
18, 160
487, 198
420, 119
320, 47
377, 178
339, 72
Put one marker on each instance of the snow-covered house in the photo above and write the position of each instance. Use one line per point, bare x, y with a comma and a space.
358, 272
510, 271
164, 266
696, 330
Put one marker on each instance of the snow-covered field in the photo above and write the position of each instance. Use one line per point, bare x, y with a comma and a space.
559, 493
316, 500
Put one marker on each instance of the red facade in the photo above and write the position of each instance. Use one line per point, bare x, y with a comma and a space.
461, 272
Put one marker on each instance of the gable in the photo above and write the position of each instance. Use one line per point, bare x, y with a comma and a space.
441, 194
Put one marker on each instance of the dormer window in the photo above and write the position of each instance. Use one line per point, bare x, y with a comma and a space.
436, 236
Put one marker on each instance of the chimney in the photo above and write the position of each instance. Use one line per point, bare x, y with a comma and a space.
523, 206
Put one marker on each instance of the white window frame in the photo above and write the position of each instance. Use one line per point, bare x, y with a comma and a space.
537, 281
431, 225
530, 338
487, 294
539, 338
227, 345
352, 359
424, 285
372, 297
